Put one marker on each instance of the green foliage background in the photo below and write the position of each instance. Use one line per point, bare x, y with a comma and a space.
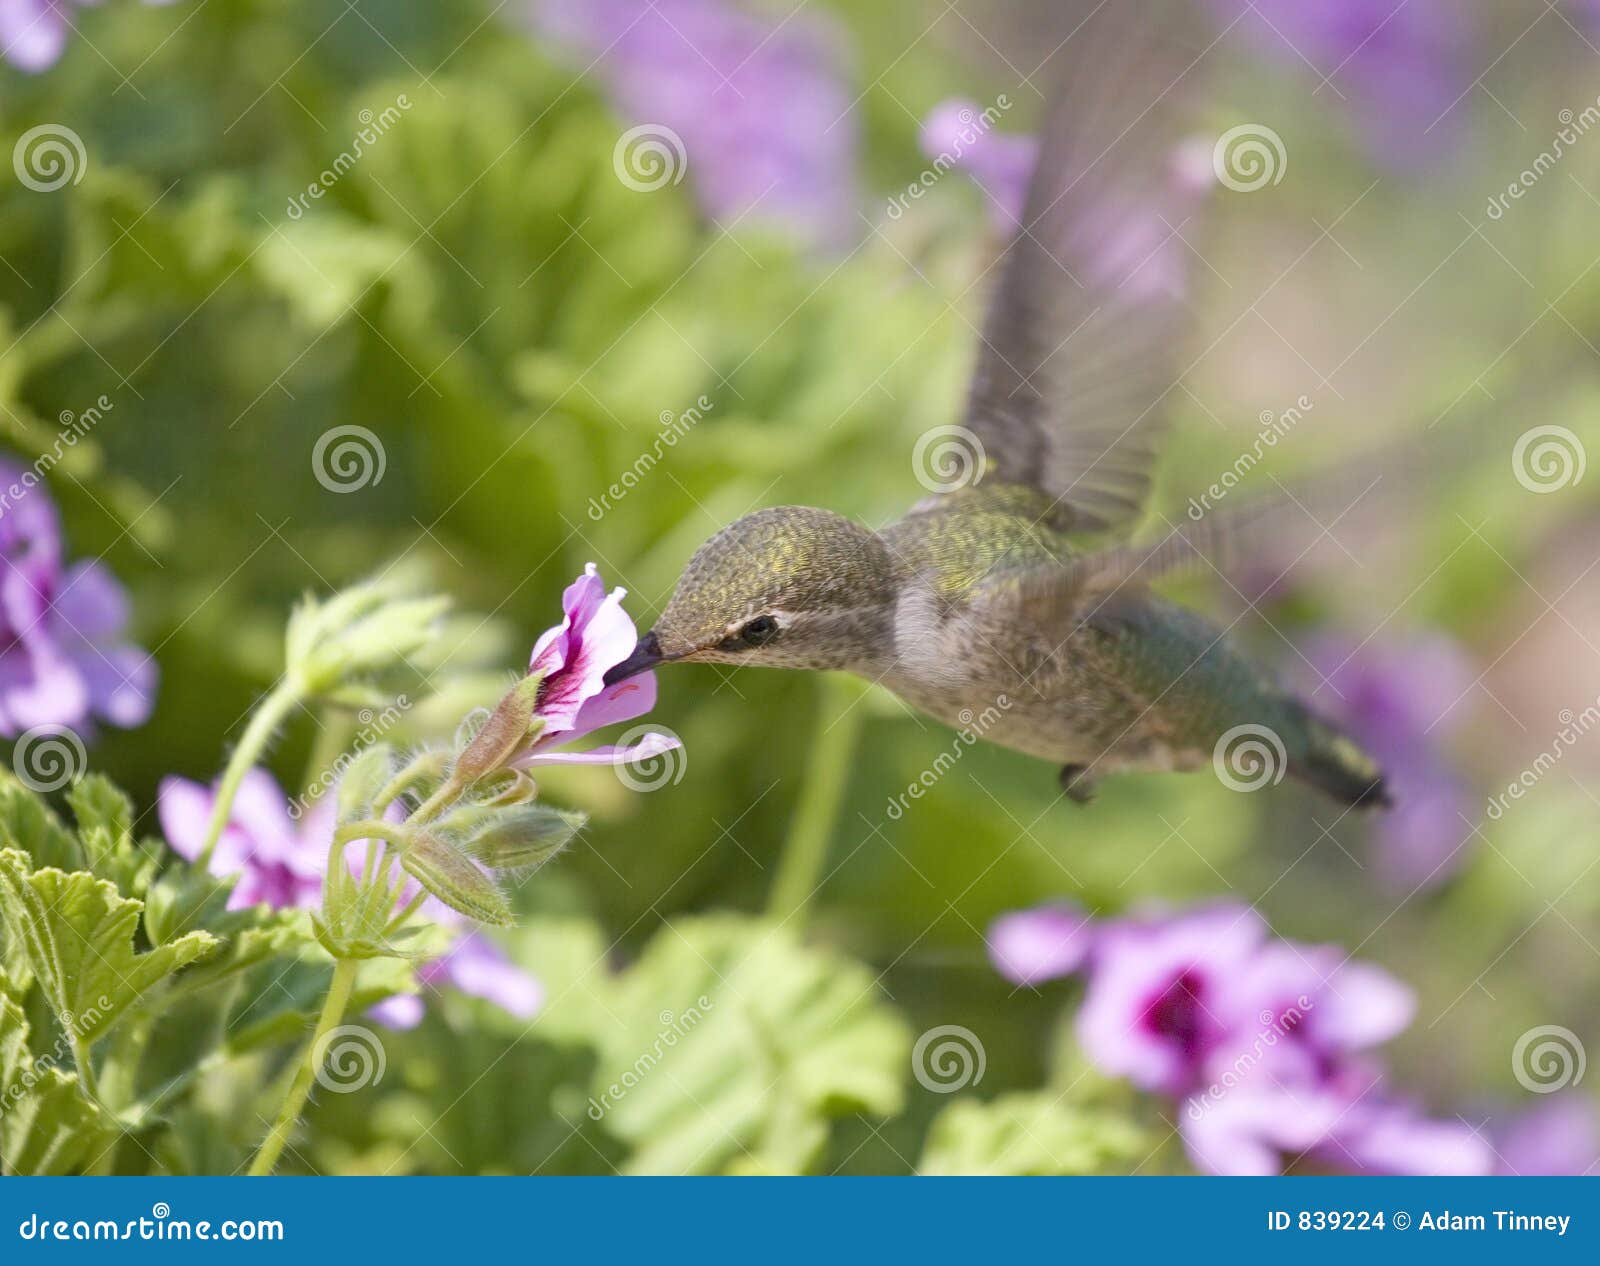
482, 293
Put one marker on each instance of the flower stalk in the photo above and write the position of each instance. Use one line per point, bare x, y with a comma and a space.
333, 1008
805, 851
269, 714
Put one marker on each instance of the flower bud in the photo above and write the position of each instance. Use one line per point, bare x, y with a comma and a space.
367, 629
523, 836
363, 779
436, 864
509, 726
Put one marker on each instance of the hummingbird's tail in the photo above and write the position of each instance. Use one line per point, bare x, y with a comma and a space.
1335, 763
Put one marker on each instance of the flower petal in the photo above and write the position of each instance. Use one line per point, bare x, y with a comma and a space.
651, 745
1029, 947
184, 808
476, 966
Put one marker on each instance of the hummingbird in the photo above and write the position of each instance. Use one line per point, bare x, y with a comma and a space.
1018, 592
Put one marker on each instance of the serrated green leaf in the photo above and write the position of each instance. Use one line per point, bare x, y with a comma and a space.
104, 814
732, 1042
27, 823
1034, 1133
77, 932
52, 1129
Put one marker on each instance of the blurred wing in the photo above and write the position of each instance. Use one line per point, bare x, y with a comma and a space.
1077, 591
1076, 360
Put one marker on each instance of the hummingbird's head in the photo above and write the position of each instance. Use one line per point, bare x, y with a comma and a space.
789, 587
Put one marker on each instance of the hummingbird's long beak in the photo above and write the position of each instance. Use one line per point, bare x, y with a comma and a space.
646, 655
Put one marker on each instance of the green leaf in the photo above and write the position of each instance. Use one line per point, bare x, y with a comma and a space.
1034, 1133
15, 1057
77, 933
27, 823
105, 829
52, 1129
730, 1042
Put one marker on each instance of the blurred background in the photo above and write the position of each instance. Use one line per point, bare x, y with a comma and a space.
514, 315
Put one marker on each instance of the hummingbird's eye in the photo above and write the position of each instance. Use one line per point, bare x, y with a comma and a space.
759, 631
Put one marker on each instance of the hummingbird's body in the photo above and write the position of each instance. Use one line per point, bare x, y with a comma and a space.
1015, 596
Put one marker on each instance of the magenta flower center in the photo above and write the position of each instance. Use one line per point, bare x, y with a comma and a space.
1177, 1013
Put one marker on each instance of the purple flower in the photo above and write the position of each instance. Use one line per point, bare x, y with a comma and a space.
1559, 1136
279, 863
475, 966
33, 32
1030, 947
62, 657
762, 118
1267, 1042
1398, 67
999, 163
282, 863
1399, 699
573, 658
1156, 1006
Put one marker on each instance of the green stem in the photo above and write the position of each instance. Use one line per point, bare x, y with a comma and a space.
805, 852
344, 979
326, 749
269, 712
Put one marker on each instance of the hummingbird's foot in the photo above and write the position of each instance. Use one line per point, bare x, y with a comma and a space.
1077, 783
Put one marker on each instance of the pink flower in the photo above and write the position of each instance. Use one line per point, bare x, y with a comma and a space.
277, 861
1030, 947
1157, 1004
999, 163
1266, 1042
595, 636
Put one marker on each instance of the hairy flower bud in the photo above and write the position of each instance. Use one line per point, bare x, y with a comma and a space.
440, 867
362, 782
510, 725
522, 836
